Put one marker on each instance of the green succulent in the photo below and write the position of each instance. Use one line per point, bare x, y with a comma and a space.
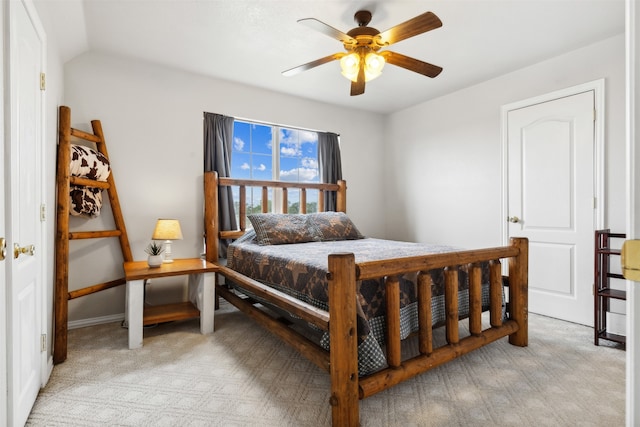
154, 248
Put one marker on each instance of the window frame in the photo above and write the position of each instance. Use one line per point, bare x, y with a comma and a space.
275, 197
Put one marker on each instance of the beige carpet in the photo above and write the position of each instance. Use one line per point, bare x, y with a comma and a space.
242, 376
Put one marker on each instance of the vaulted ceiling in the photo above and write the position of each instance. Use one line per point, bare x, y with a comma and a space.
252, 42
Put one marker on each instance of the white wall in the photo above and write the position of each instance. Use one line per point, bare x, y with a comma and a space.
152, 120
439, 162
445, 154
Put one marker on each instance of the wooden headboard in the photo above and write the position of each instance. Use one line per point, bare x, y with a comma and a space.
212, 183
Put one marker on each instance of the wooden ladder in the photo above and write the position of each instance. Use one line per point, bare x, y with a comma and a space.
64, 181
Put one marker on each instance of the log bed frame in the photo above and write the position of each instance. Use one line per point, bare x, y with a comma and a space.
340, 321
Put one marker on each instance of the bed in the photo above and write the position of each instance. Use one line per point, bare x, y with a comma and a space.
363, 297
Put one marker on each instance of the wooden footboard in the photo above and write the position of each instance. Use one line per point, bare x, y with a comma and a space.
344, 273
346, 387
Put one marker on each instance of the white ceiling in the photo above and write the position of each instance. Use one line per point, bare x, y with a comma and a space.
252, 42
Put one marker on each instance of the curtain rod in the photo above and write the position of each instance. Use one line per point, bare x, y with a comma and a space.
262, 122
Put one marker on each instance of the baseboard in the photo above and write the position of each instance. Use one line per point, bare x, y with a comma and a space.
83, 323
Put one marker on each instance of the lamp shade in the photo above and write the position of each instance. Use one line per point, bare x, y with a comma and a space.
350, 64
167, 229
373, 65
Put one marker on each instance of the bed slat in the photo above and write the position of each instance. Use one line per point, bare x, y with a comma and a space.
425, 319
451, 304
392, 292
243, 208
495, 292
303, 200
285, 200
475, 299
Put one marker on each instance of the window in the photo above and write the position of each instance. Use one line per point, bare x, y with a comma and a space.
270, 152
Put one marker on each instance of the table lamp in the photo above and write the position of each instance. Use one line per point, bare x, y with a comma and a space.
167, 230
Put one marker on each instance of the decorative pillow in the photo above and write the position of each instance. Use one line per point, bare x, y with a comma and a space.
88, 163
278, 229
335, 226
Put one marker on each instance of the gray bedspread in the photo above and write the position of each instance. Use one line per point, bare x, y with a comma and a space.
300, 270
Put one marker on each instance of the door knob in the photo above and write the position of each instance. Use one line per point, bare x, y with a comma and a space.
17, 250
513, 219
3, 248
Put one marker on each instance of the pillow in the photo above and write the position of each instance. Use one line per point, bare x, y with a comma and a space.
278, 229
88, 163
335, 226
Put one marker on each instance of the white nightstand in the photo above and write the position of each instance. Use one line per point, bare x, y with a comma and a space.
201, 290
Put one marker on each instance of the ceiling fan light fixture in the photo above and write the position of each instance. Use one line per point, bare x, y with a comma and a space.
373, 65
350, 64
361, 62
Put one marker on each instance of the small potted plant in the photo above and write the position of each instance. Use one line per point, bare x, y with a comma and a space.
155, 251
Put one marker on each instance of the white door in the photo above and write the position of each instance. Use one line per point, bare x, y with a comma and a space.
3, 235
551, 201
633, 207
24, 289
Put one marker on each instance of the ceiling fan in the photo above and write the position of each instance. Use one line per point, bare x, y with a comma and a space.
363, 60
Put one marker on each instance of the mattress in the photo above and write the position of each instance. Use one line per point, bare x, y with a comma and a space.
300, 270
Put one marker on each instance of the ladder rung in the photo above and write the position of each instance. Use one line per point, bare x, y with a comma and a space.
86, 182
94, 234
84, 135
96, 288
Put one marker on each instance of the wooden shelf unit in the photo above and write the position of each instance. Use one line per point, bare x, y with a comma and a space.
603, 292
201, 283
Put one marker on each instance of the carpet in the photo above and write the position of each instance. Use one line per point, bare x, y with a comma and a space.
242, 376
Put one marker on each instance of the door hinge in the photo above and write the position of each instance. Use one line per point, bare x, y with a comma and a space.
43, 212
43, 81
43, 342
594, 115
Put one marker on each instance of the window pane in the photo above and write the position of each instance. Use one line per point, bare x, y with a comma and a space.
261, 139
298, 156
241, 137
241, 165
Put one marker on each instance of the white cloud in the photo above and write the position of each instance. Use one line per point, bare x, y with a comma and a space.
261, 168
245, 166
308, 136
290, 150
294, 136
309, 162
303, 174
238, 144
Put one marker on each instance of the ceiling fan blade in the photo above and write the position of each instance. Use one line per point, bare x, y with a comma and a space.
411, 64
312, 64
414, 26
357, 87
327, 30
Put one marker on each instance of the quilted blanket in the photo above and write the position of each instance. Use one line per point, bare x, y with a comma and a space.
87, 163
300, 270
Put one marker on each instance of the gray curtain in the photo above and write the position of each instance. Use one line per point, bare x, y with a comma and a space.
330, 164
218, 137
